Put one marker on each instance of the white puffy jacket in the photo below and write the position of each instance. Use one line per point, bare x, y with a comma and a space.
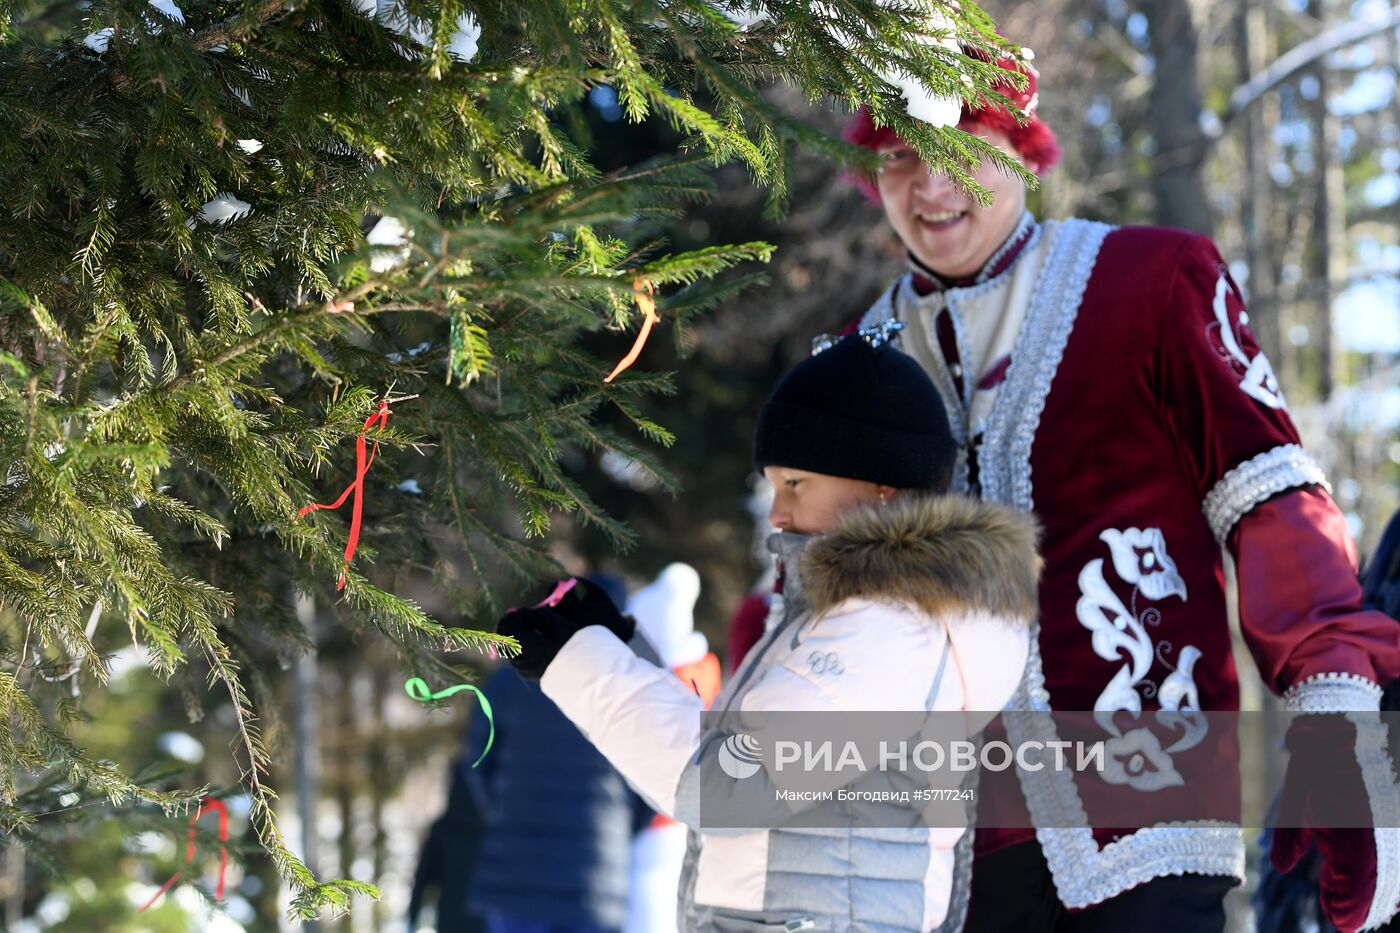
887, 594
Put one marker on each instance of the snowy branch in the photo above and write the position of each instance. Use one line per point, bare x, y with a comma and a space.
1305, 54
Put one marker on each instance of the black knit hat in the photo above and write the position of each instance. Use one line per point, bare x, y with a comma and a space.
861, 412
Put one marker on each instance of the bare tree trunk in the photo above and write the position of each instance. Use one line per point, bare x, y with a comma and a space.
1257, 196
346, 780
379, 782
1253, 51
1174, 114
306, 763
1393, 45
14, 886
1329, 216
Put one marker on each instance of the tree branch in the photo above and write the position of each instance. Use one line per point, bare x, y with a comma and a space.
235, 28
1303, 55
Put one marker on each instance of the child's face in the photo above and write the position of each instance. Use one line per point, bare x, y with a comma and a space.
812, 503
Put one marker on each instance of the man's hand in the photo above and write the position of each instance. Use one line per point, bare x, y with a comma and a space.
1326, 803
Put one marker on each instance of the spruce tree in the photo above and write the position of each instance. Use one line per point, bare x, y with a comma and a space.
231, 230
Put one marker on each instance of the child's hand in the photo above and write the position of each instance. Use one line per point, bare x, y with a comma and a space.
541, 632
543, 629
587, 604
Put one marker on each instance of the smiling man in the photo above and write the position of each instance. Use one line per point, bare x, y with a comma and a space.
940, 224
1106, 379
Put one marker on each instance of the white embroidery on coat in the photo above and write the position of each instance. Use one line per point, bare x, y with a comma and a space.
1137, 758
1256, 375
1140, 558
1181, 704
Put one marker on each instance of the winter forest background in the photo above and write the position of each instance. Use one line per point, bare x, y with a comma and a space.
1272, 125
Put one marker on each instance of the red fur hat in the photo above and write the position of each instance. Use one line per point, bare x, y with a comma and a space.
1034, 141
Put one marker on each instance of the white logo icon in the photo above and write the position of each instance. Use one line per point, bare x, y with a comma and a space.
740, 756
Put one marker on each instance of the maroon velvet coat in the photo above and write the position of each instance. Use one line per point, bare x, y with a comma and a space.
1141, 423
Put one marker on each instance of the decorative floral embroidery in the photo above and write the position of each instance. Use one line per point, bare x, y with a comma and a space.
1115, 631
1137, 759
1256, 375
1181, 705
1140, 558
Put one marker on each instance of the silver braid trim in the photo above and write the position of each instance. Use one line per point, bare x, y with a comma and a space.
1005, 460
1381, 787
1023, 227
1085, 875
1259, 478
1359, 698
1334, 693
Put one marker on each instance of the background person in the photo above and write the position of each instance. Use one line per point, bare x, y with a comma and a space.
555, 853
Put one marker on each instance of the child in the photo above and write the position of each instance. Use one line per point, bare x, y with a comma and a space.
884, 578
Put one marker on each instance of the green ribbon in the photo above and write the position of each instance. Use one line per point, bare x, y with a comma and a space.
417, 688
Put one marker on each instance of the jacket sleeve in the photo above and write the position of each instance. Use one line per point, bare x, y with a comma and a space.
1300, 605
650, 727
638, 715
1265, 500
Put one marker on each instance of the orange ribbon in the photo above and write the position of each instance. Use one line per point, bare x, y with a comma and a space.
642, 290
190, 849
362, 465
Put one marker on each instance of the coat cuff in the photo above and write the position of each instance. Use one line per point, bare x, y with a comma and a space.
1256, 480
1333, 693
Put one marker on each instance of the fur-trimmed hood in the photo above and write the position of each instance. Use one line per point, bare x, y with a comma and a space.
941, 553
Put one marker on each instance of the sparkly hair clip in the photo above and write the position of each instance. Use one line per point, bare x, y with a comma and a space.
876, 335
882, 333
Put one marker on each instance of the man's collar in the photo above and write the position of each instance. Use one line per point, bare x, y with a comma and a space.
926, 281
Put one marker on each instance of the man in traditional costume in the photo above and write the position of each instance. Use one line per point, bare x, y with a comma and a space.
1106, 379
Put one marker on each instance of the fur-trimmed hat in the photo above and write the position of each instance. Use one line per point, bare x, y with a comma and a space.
1034, 141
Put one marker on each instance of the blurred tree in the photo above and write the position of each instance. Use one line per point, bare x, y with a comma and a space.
1174, 108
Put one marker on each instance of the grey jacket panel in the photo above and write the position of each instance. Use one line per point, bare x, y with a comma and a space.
810, 885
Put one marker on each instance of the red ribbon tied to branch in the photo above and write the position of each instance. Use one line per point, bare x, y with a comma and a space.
362, 465
642, 293
217, 805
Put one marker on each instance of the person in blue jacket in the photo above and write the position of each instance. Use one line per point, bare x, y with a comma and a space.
559, 819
